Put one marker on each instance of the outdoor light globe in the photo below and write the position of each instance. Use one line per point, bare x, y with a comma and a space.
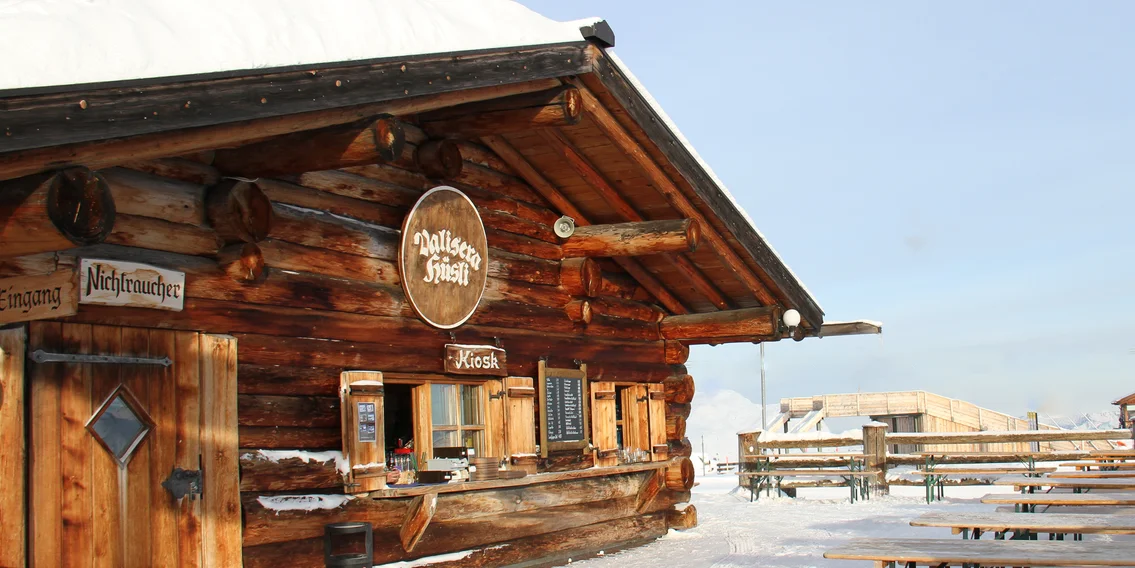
792, 318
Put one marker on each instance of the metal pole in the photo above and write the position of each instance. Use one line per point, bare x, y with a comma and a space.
764, 419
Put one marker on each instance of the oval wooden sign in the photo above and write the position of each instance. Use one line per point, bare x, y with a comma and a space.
444, 257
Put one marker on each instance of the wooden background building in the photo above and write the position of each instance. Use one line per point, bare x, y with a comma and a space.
280, 195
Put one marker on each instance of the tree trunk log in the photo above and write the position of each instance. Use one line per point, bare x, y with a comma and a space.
346, 184
182, 169
749, 322
55, 211
617, 285
679, 389
279, 438
682, 517
268, 471
319, 200
675, 427
364, 142
145, 195
239, 211
677, 353
439, 159
633, 239
629, 309
289, 411
680, 476
580, 276
546, 109
155, 234
578, 311
681, 448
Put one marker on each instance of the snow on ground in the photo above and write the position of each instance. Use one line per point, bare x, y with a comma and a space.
784, 532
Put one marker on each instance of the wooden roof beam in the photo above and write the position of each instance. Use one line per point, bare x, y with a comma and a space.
545, 188
102, 153
362, 143
665, 185
598, 182
632, 239
749, 322
559, 106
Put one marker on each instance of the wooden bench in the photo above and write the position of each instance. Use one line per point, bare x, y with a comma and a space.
858, 481
1076, 485
934, 478
1028, 502
1102, 466
1094, 474
973, 525
911, 552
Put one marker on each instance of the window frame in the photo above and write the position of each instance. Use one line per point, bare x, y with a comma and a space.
422, 401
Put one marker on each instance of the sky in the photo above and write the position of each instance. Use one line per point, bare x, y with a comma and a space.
961, 171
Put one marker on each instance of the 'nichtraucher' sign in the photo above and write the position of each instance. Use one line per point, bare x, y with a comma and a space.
118, 283
444, 257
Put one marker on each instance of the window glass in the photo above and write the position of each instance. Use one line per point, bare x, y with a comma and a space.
119, 427
445, 438
473, 439
471, 406
444, 402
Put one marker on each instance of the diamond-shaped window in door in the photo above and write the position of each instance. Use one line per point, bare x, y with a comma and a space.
120, 424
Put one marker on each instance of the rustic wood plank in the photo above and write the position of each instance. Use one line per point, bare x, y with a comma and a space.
367, 460
133, 547
985, 552
164, 540
603, 427
221, 502
520, 418
13, 452
76, 447
495, 424
418, 516
187, 365
45, 491
656, 410
268, 470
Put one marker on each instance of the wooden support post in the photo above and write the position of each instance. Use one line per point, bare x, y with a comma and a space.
239, 211
749, 322
362, 143
557, 199
418, 517
54, 211
555, 107
875, 452
633, 239
439, 159
748, 444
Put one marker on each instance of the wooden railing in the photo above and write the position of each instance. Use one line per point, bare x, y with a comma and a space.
874, 443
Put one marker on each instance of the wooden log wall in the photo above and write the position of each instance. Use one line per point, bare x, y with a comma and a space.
302, 270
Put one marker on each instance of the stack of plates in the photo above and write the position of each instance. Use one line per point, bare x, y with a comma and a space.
483, 468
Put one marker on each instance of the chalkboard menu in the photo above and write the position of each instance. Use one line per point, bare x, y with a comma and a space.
563, 409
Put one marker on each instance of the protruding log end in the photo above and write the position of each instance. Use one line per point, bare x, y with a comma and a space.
439, 159
682, 517
561, 106
680, 389
680, 476
633, 239
243, 263
389, 139
572, 103
239, 211
579, 311
676, 352
681, 448
675, 427
80, 205
580, 276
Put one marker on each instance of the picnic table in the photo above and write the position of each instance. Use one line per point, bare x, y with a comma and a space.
1027, 526
934, 478
1077, 485
1101, 465
857, 480
889, 552
1028, 502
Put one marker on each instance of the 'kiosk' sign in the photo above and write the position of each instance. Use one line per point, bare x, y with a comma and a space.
444, 257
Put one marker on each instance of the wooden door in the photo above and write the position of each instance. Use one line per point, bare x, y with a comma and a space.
103, 437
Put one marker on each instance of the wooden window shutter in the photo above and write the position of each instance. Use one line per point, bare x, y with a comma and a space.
494, 419
603, 433
636, 418
364, 439
659, 449
520, 418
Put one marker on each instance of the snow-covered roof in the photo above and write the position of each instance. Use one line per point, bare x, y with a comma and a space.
45, 43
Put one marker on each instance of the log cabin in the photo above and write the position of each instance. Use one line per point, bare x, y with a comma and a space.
440, 283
